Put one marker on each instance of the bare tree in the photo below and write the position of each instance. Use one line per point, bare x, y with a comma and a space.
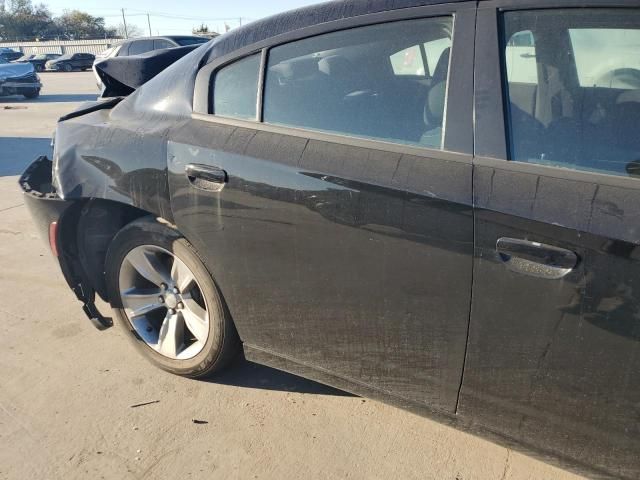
131, 31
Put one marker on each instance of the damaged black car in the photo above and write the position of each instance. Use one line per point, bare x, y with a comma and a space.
428, 203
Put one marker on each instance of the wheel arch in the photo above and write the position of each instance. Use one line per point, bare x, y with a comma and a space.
86, 231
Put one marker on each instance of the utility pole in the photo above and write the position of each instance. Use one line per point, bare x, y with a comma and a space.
124, 22
240, 21
149, 22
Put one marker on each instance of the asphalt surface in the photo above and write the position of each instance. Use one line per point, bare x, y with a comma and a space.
67, 390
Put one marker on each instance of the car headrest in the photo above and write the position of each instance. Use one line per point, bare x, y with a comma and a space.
441, 71
434, 106
629, 96
294, 69
335, 66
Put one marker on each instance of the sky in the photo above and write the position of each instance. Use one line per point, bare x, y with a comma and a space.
170, 17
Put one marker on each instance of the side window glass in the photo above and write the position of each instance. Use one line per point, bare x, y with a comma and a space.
347, 82
235, 89
162, 43
408, 62
520, 58
607, 57
437, 53
573, 88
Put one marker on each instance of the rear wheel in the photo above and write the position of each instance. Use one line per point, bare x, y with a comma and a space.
165, 298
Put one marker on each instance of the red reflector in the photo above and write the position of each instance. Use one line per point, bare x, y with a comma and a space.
53, 238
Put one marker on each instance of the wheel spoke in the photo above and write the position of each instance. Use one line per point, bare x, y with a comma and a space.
139, 301
196, 319
153, 283
149, 266
171, 338
181, 275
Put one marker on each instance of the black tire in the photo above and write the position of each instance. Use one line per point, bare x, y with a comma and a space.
39, 68
67, 67
222, 343
35, 93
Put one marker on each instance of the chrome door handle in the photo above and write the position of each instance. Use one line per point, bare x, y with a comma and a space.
536, 259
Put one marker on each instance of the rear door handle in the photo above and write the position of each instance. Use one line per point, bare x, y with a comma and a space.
536, 259
206, 177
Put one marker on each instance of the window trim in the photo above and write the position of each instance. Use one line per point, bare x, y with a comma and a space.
461, 59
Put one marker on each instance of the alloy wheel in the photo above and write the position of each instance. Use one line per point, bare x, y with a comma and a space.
163, 302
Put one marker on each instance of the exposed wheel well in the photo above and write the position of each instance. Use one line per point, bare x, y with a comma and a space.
86, 232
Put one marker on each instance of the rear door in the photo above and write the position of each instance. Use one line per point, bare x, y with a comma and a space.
553, 358
336, 216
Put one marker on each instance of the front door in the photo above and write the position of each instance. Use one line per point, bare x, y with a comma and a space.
336, 218
554, 354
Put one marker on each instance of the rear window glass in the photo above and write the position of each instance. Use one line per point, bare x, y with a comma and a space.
140, 46
235, 89
183, 42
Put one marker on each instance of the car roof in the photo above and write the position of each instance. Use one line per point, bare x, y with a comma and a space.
305, 17
158, 37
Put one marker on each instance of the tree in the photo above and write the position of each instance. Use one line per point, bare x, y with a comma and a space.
22, 20
132, 31
202, 29
75, 24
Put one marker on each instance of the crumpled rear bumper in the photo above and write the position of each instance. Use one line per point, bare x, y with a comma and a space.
49, 212
40, 198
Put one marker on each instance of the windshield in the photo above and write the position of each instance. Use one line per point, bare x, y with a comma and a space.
65, 57
183, 42
40, 57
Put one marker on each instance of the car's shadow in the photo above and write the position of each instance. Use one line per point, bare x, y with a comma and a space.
243, 373
55, 98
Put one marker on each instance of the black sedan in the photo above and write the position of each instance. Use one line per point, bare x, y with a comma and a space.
429, 203
70, 62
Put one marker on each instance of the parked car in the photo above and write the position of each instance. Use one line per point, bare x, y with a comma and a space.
9, 54
40, 60
420, 228
19, 79
137, 46
70, 62
25, 58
